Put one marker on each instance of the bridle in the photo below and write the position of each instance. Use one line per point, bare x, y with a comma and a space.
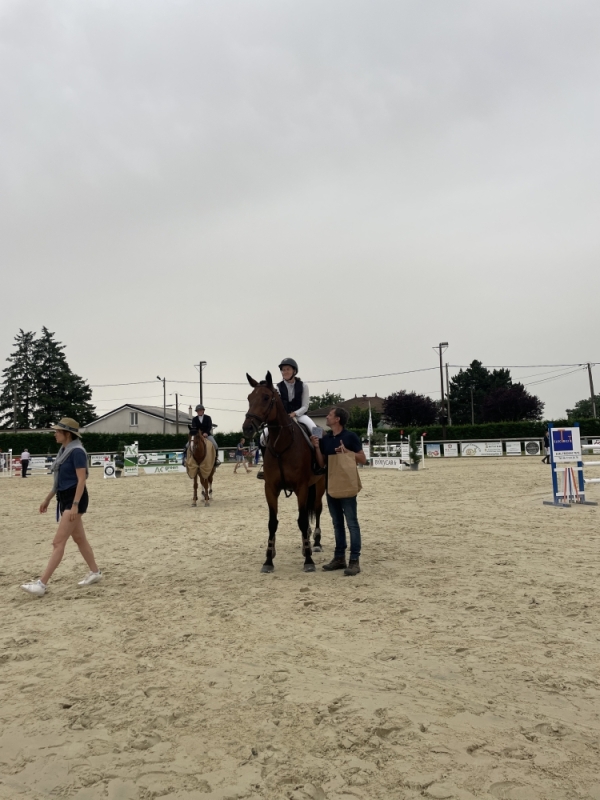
263, 422
260, 423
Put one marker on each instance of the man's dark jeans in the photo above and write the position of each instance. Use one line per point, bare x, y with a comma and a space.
341, 509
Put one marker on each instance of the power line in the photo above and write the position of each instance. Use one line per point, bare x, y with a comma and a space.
520, 366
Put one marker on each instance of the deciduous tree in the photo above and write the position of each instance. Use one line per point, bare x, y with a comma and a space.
324, 400
410, 409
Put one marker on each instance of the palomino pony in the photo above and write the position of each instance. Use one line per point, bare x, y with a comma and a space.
200, 452
287, 465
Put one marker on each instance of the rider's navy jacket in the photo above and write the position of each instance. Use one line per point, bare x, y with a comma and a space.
205, 426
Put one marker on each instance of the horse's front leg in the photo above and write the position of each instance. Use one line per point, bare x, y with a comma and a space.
272, 500
205, 491
195, 498
309, 564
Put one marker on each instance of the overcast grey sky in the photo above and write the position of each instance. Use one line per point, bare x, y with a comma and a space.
343, 182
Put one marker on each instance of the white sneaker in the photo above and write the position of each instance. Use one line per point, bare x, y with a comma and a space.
35, 587
91, 577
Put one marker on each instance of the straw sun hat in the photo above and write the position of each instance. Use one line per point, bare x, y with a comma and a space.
67, 424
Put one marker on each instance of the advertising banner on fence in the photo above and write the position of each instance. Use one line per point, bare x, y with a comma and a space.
130, 468
532, 448
433, 450
386, 463
161, 463
595, 445
566, 445
100, 459
109, 469
513, 448
450, 449
481, 448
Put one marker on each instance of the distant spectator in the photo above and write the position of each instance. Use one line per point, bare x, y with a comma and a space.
546, 458
25, 458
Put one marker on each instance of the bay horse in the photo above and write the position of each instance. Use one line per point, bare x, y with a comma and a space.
197, 448
288, 463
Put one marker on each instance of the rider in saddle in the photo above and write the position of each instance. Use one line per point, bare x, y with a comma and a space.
295, 396
202, 423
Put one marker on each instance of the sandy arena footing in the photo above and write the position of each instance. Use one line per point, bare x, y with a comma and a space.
463, 662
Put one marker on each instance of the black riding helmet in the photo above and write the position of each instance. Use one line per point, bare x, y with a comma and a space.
289, 362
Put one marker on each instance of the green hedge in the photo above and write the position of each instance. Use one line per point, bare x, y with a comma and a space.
44, 443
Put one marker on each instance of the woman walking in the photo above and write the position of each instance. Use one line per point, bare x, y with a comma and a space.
70, 473
239, 455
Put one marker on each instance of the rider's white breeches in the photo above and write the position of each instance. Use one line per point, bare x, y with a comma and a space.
304, 419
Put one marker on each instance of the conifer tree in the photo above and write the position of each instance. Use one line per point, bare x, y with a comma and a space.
58, 391
18, 379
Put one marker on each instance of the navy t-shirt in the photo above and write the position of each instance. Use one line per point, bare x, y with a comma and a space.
67, 477
350, 440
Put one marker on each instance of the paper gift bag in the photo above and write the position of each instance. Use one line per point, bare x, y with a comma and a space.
343, 479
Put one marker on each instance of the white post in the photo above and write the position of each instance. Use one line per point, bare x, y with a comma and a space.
423, 448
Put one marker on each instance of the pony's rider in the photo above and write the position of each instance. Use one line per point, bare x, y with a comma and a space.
203, 424
295, 396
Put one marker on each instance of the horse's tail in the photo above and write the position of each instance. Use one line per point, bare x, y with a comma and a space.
312, 499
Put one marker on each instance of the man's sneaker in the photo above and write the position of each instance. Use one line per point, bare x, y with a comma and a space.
353, 568
35, 587
91, 577
337, 563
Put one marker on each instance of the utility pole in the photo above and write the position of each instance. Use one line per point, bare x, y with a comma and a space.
472, 408
592, 395
200, 367
441, 348
164, 383
176, 413
448, 395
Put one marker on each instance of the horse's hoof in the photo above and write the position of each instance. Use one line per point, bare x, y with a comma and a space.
310, 568
267, 568
317, 549
193, 505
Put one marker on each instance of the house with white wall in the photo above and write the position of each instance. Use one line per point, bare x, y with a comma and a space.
130, 418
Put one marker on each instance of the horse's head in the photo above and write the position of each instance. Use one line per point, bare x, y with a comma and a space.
261, 405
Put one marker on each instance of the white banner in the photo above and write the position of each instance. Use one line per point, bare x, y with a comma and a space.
100, 459
513, 448
533, 448
566, 445
450, 449
367, 451
433, 450
481, 448
109, 469
130, 456
386, 463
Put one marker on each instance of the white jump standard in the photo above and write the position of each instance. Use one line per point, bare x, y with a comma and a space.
566, 459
